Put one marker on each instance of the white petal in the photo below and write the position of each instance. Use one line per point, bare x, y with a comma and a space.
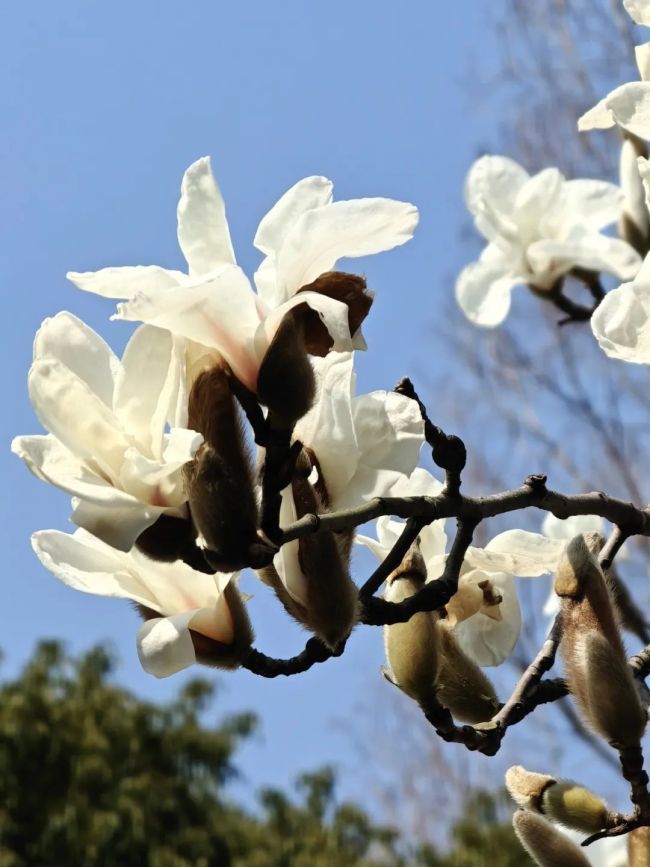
307, 194
594, 204
642, 57
219, 311
373, 545
487, 641
328, 427
643, 170
180, 446
118, 525
550, 259
389, 430
165, 645
367, 482
518, 552
621, 323
82, 350
87, 564
287, 560
496, 180
566, 528
65, 405
203, 233
638, 10
127, 281
627, 105
359, 227
334, 315
483, 292
538, 195
634, 189
266, 282
419, 484
146, 387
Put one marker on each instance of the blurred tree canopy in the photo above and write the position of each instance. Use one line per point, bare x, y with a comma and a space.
92, 776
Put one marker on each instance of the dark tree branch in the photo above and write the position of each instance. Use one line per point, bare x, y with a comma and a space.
392, 560
266, 666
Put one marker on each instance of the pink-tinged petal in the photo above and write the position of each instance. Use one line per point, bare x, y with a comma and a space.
127, 281
176, 587
487, 641
638, 10
118, 525
152, 482
359, 227
621, 323
307, 194
642, 57
287, 560
87, 564
627, 105
494, 179
66, 406
483, 292
203, 233
146, 387
219, 312
549, 259
80, 349
165, 645
594, 204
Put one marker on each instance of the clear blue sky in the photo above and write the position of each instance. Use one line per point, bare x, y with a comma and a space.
103, 106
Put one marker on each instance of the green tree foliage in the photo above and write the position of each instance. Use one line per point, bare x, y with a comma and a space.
92, 776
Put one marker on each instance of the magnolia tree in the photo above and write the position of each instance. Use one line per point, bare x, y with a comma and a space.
229, 436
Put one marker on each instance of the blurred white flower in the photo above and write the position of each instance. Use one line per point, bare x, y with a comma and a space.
538, 229
485, 611
627, 105
214, 305
189, 603
109, 444
609, 852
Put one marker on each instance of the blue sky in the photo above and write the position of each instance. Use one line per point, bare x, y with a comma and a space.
103, 106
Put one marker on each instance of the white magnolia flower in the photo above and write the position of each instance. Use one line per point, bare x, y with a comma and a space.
185, 599
303, 236
109, 444
538, 229
485, 611
364, 445
627, 105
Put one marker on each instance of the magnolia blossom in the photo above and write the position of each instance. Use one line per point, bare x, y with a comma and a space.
187, 601
627, 105
213, 305
538, 228
363, 445
484, 612
108, 445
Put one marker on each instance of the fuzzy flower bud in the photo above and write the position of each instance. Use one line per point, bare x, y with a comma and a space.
527, 787
547, 846
462, 687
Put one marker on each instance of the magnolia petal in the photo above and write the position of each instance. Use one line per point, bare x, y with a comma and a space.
203, 233
634, 186
152, 482
145, 387
565, 529
66, 406
483, 292
266, 282
332, 314
487, 641
642, 57
307, 194
594, 204
218, 311
367, 482
165, 644
527, 554
372, 545
87, 564
550, 259
621, 323
81, 350
419, 484
638, 10
493, 179
287, 560
180, 446
118, 525
359, 227
539, 195
389, 430
126, 282
627, 105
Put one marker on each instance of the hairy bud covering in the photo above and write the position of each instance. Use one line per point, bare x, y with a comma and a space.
527, 787
412, 647
547, 846
462, 687
574, 806
594, 656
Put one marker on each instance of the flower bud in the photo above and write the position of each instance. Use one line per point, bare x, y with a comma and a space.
594, 656
574, 806
412, 647
348, 288
219, 481
462, 687
527, 787
546, 845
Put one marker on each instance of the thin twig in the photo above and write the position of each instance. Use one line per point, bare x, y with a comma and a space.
266, 666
